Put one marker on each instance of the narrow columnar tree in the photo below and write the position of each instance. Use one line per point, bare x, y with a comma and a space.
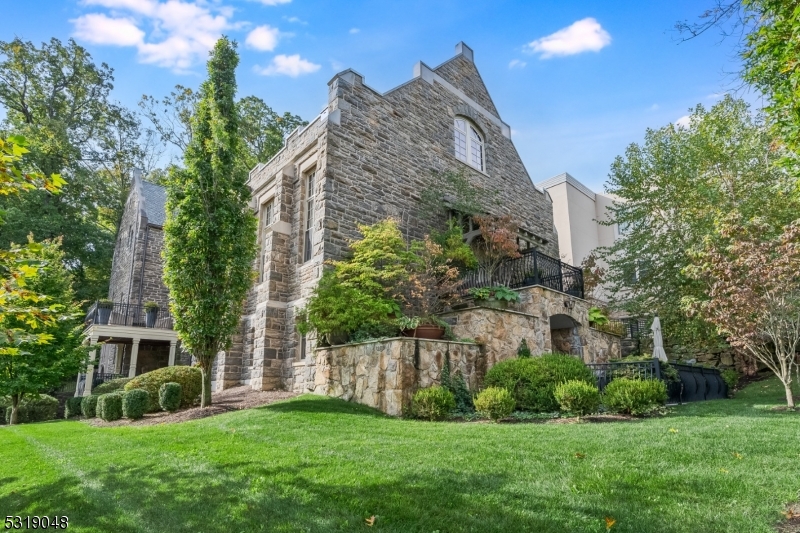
210, 233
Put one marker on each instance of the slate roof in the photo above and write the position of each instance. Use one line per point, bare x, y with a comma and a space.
154, 198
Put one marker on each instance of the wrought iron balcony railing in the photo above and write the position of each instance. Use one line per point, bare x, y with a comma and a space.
531, 268
119, 314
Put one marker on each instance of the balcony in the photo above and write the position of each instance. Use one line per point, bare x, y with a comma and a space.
130, 315
531, 268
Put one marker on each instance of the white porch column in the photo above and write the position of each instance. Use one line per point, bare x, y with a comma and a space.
87, 388
172, 345
134, 357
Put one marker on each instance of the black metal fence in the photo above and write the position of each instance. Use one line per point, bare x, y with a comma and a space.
531, 268
119, 314
696, 383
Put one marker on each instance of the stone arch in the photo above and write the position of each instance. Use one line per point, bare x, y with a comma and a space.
466, 111
565, 334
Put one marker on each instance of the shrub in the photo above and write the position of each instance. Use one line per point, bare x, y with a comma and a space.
169, 396
109, 406
532, 381
34, 409
433, 403
135, 403
495, 403
634, 396
577, 397
89, 406
189, 378
731, 378
458, 387
72, 407
111, 386
523, 352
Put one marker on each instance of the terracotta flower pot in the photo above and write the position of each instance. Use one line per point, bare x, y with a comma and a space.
425, 331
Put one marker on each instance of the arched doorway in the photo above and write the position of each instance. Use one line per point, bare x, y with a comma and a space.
565, 335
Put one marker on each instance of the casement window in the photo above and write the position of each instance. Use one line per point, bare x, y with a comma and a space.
468, 143
268, 213
309, 216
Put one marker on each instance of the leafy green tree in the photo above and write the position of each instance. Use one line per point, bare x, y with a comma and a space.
262, 130
58, 98
673, 189
210, 233
34, 367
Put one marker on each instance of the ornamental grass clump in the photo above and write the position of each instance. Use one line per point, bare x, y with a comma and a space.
532, 381
72, 407
135, 403
109, 406
578, 397
495, 403
634, 396
433, 403
89, 406
169, 396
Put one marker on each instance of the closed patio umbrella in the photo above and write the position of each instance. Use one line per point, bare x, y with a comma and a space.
658, 341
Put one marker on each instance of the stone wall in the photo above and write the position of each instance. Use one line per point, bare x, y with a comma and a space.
385, 374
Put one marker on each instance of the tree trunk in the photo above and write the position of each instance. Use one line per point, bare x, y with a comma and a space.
789, 397
205, 369
14, 410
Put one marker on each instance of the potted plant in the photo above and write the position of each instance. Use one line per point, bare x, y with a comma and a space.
431, 287
104, 308
494, 297
150, 314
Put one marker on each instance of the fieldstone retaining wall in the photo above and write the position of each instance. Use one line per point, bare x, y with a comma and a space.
385, 374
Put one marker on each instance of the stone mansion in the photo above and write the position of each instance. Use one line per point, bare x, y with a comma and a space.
366, 157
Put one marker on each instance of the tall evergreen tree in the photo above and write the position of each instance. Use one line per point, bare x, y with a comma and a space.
210, 233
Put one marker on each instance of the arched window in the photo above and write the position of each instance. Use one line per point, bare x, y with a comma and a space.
468, 143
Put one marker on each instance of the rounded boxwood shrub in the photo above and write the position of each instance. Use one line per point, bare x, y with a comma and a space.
532, 381
169, 396
495, 403
189, 378
634, 396
135, 403
111, 386
433, 403
109, 406
72, 407
35, 409
577, 397
89, 406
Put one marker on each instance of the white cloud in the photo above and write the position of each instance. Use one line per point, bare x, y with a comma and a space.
264, 38
175, 34
273, 2
516, 63
684, 122
655, 107
337, 66
292, 66
585, 35
100, 29
354, 30
295, 20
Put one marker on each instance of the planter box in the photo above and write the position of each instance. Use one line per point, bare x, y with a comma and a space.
150, 317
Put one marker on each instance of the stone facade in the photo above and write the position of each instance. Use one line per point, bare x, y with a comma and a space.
367, 157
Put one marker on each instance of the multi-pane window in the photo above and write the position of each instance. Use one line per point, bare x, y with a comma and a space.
468, 143
307, 238
269, 213
268, 217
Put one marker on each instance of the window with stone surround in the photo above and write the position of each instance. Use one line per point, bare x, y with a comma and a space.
309, 216
267, 219
468, 143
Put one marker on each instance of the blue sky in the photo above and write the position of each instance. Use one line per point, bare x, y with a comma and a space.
576, 80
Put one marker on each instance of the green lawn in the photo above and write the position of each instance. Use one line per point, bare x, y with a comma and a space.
318, 464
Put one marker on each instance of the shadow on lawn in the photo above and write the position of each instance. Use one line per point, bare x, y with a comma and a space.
309, 403
160, 497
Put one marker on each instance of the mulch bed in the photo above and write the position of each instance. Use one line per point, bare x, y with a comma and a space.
222, 402
792, 522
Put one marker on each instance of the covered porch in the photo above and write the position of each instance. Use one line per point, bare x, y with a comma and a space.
133, 343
